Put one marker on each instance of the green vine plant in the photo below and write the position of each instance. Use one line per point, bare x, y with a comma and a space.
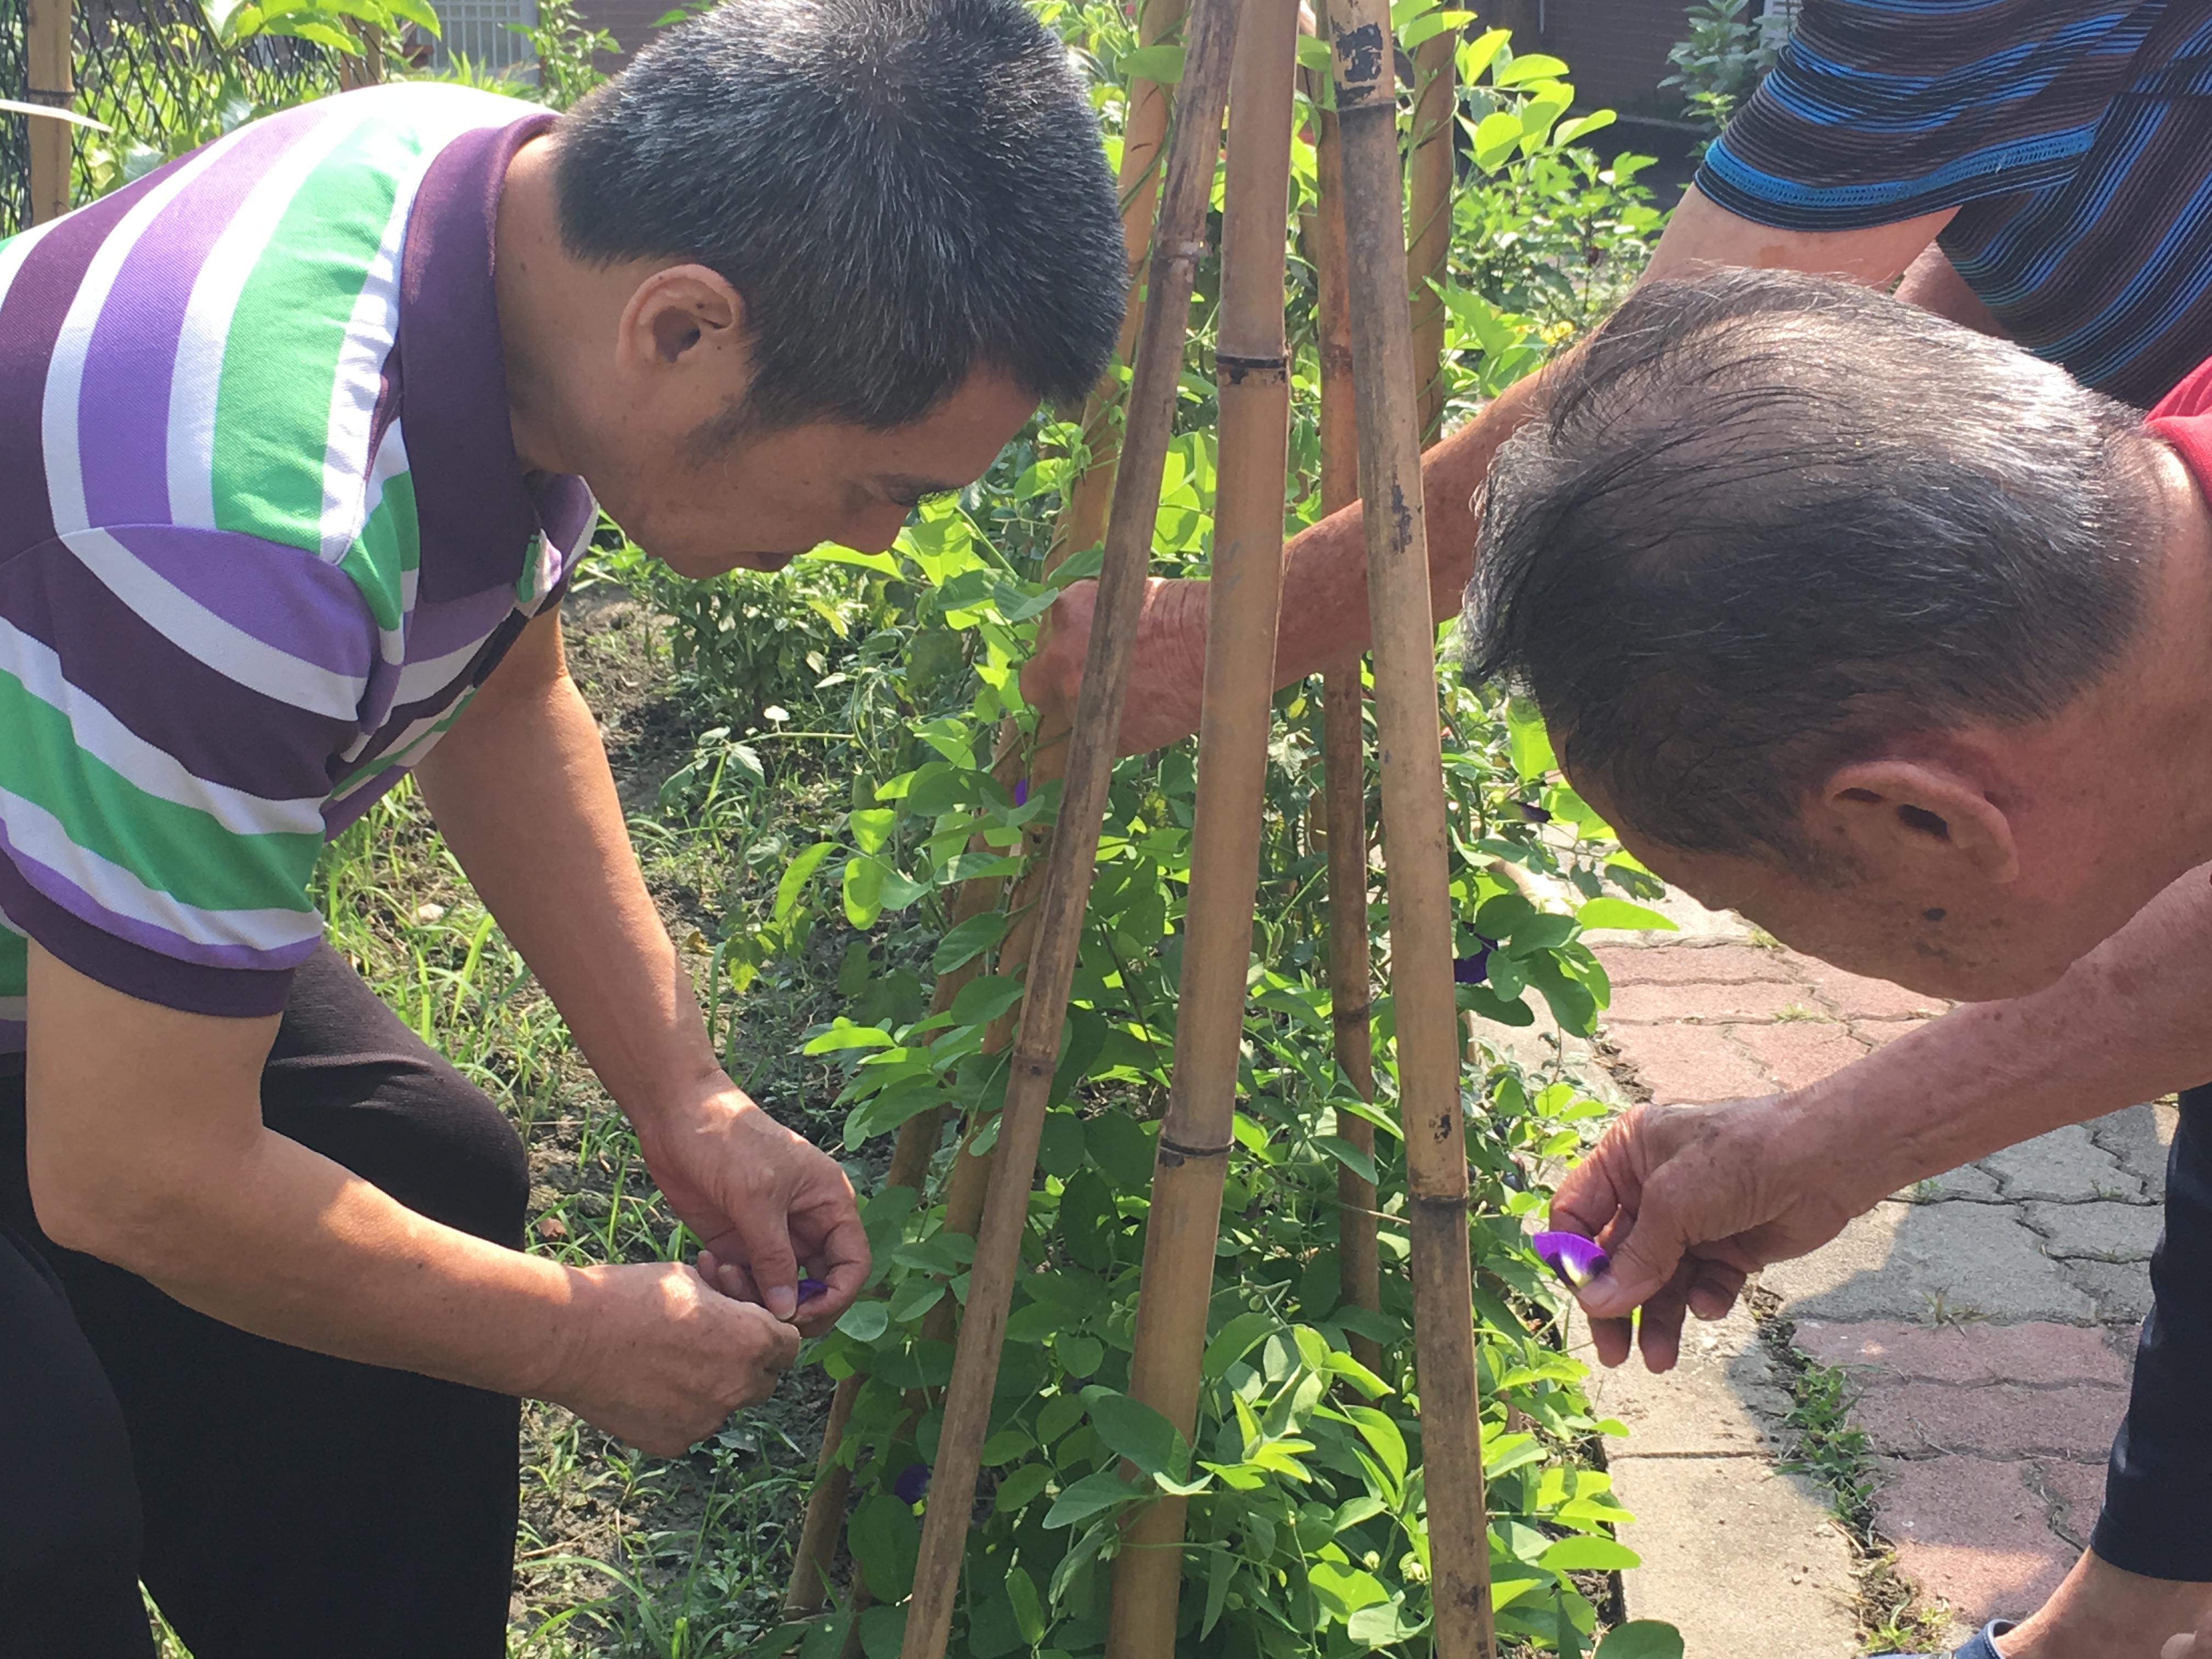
1304, 1478
1306, 1472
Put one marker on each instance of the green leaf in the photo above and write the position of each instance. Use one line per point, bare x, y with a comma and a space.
1162, 64
1529, 66
1496, 138
1235, 1339
864, 892
796, 875
1136, 1431
1620, 913
1021, 1487
863, 1321
1588, 1555
1377, 1429
844, 1034
871, 827
1347, 1588
964, 941
882, 563
1641, 1638
1422, 30
1117, 1143
1314, 54
1527, 743
885, 1540
1092, 1495
983, 999
1029, 1614
1361, 1163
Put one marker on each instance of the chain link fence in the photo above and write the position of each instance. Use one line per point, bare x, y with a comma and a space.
156, 74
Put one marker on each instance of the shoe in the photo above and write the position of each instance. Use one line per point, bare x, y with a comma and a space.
1984, 1645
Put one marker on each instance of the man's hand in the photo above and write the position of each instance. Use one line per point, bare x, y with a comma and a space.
1167, 680
2189, 1645
1689, 1200
662, 1359
764, 1202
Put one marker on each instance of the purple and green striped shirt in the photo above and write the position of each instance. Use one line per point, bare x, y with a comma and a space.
262, 530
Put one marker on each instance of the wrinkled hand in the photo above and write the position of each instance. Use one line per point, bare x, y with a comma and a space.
1167, 679
1688, 1201
764, 1202
660, 1358
2187, 1646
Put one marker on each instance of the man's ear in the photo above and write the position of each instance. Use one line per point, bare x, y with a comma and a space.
682, 316
1902, 813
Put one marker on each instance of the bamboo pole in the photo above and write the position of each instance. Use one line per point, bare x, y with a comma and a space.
1343, 747
1157, 363
1430, 174
49, 81
1414, 853
1242, 599
910, 1154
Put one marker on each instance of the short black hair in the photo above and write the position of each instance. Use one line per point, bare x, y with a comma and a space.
902, 190
1768, 522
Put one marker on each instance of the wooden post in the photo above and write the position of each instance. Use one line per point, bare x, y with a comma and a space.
1343, 758
1195, 1136
1414, 828
1436, 82
1157, 367
52, 143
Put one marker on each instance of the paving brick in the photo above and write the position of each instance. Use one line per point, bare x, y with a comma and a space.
1681, 964
1925, 1263
2121, 1290
1996, 1419
1687, 1064
2097, 1232
1966, 1182
1864, 997
2041, 1353
2065, 1165
1881, 1033
1799, 1052
1969, 1530
2079, 1491
2139, 1138
1647, 1005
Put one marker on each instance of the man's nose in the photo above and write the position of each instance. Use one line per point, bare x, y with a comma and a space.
875, 529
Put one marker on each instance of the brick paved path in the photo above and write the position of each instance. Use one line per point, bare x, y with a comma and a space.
1987, 1319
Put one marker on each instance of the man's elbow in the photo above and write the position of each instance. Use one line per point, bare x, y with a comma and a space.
119, 1215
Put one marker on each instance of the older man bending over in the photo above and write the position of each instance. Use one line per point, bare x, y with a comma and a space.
1898, 642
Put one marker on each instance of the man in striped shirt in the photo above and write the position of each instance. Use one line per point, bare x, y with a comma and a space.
298, 442
2036, 168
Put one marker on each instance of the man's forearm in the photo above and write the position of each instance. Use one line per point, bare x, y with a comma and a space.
524, 796
2127, 1023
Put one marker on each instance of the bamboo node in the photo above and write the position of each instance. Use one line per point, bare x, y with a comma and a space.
1176, 1151
1350, 1016
1440, 1204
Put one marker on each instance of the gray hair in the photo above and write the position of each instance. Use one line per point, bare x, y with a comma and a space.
1769, 522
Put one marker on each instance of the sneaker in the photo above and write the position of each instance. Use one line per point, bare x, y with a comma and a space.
1984, 1645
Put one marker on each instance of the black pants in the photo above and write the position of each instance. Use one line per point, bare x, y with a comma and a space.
2161, 1464
277, 1503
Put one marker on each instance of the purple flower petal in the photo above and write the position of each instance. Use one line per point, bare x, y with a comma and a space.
913, 1481
1471, 971
811, 1288
1021, 792
1575, 1259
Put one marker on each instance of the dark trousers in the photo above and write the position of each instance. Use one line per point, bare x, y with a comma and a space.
277, 1503
2161, 1464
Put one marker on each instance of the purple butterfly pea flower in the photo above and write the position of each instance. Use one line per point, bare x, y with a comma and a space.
913, 1481
811, 1288
1021, 792
1575, 1259
1473, 970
